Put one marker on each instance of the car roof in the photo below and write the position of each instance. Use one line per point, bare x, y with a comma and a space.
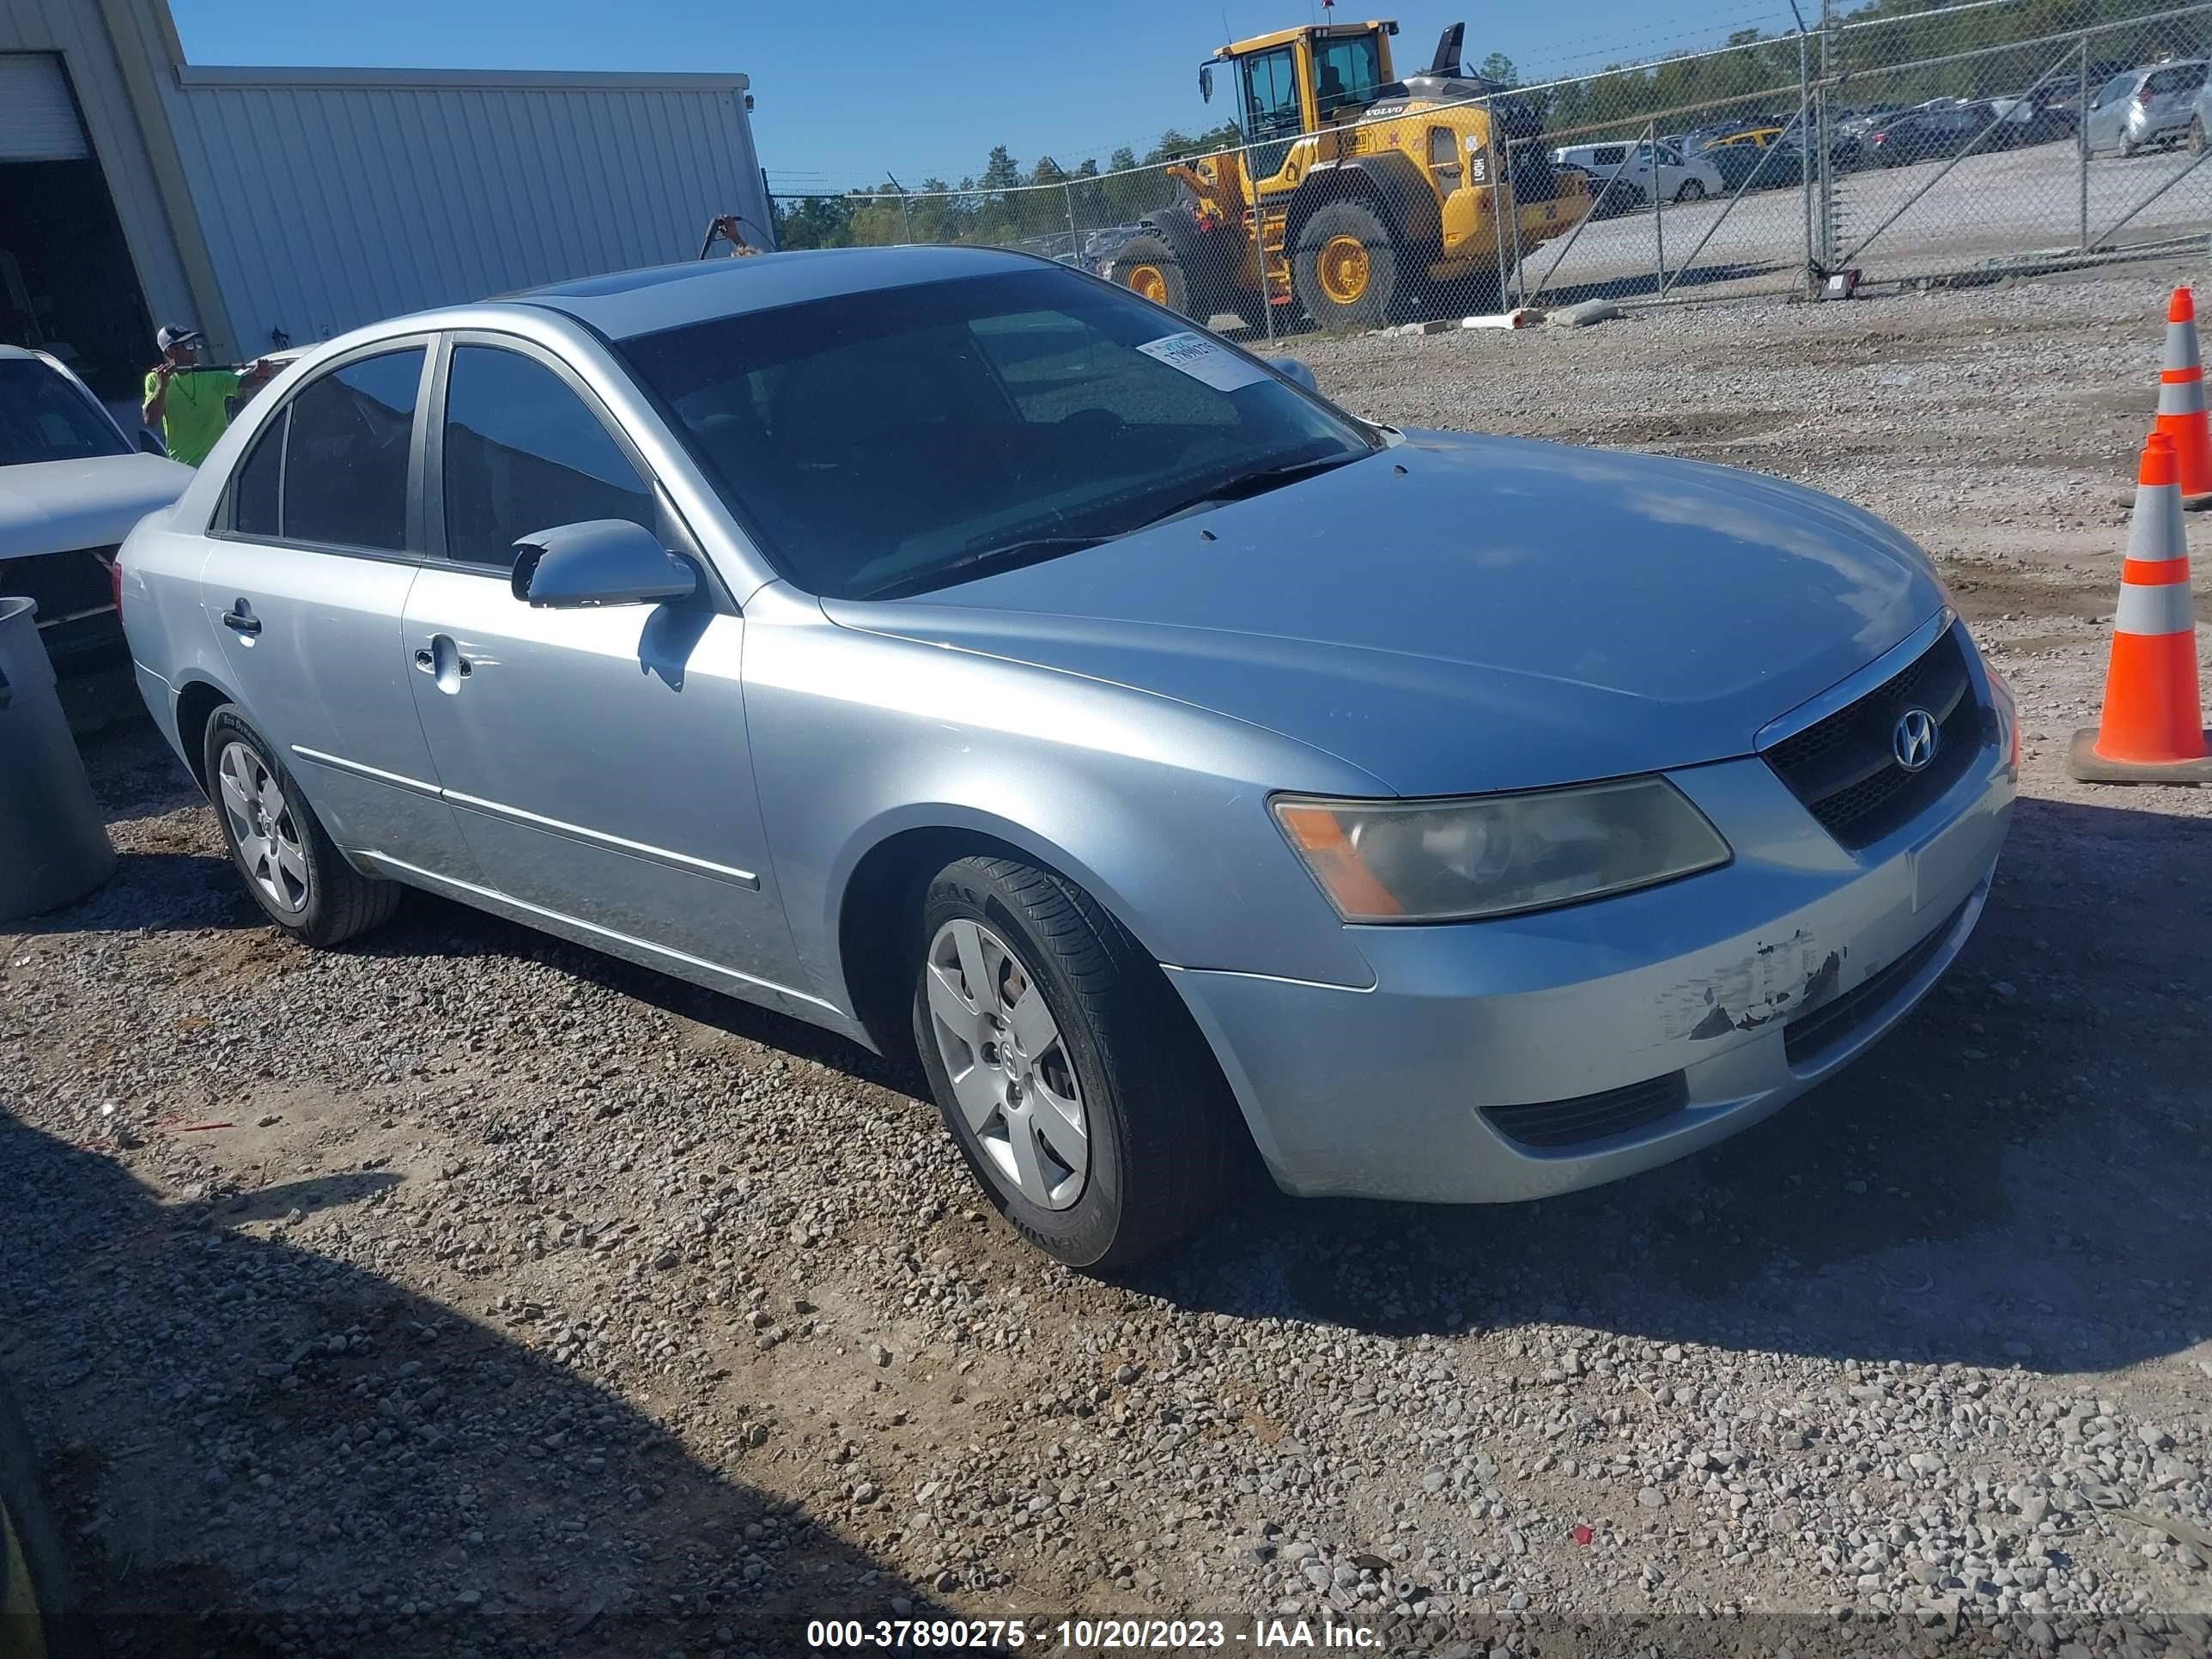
645, 301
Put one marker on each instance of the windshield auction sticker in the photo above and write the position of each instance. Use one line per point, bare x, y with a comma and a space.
1204, 360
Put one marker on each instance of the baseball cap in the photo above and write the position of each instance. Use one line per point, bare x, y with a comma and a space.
177, 336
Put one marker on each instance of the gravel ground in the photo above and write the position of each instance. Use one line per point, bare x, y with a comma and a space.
464, 1293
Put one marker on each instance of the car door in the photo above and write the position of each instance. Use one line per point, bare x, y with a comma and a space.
597, 759
312, 552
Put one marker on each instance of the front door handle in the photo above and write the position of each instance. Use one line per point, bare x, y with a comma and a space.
441, 659
240, 619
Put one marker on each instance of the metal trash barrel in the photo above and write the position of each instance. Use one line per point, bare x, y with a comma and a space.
53, 843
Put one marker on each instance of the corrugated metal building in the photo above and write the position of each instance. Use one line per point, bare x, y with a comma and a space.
268, 206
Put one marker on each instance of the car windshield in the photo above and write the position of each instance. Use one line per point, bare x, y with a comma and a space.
903, 439
45, 417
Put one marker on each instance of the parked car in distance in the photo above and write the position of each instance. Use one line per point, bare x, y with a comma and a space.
1662, 173
1609, 199
1923, 136
2150, 104
1767, 157
2200, 119
2019, 123
71, 486
958, 653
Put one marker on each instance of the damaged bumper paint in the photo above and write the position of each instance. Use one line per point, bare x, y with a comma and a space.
1749, 984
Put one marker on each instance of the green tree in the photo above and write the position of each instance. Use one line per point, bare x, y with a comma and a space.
1499, 68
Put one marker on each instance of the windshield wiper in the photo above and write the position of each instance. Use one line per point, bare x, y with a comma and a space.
1030, 549
1242, 486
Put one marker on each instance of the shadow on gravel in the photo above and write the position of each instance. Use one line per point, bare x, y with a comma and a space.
2017, 1174
1641, 285
255, 1447
175, 892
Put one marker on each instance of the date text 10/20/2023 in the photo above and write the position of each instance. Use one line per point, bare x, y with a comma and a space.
1264, 1636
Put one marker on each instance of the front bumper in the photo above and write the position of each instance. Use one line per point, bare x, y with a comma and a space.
1738, 990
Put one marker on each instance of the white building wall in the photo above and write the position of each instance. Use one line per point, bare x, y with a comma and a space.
332, 197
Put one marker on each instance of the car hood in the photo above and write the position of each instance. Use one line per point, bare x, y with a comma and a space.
52, 507
1467, 613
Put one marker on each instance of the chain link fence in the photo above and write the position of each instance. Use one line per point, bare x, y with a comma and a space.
1954, 143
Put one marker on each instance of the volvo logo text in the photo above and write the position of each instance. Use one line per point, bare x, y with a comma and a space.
1914, 740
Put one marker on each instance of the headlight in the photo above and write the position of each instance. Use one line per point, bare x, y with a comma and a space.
1492, 856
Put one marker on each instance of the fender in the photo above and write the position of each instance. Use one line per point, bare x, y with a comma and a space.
1391, 181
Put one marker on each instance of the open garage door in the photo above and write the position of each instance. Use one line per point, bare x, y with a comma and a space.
38, 116
66, 284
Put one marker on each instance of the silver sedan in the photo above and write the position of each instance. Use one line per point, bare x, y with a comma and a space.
961, 653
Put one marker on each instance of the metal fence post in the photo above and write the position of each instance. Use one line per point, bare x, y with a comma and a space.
1827, 229
1658, 229
1518, 257
1502, 157
2082, 140
1812, 133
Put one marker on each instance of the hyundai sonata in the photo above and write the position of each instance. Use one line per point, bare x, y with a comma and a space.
959, 653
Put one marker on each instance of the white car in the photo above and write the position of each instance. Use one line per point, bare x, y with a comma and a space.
1669, 176
71, 487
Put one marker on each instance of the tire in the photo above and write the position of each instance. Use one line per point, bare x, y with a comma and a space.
1690, 189
1345, 270
1157, 1130
2197, 135
29, 1545
1146, 265
292, 869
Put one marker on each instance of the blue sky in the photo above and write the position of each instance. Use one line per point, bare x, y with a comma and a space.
920, 88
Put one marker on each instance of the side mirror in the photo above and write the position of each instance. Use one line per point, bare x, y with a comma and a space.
1294, 370
148, 443
599, 561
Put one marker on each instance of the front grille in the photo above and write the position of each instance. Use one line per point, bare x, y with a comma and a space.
1555, 1123
1811, 1037
1844, 769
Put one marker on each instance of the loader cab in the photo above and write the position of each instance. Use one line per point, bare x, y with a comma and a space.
1297, 80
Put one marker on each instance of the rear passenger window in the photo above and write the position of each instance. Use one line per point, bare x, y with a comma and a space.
253, 487
523, 454
345, 461
1609, 155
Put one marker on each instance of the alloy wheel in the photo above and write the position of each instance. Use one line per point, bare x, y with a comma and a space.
269, 842
1009, 1066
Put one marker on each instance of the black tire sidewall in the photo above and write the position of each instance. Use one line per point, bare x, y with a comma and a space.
316, 922
1085, 1232
1334, 219
64, 1628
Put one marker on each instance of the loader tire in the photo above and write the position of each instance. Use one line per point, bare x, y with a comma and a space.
1149, 268
1346, 270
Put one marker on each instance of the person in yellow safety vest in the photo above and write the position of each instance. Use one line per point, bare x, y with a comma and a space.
189, 405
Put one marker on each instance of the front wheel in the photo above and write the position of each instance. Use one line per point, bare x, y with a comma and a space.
2197, 135
291, 867
1149, 268
1691, 189
1346, 267
1078, 1092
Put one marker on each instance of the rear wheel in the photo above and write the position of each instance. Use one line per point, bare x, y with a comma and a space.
2197, 135
1149, 268
291, 867
1346, 268
1082, 1097
1691, 189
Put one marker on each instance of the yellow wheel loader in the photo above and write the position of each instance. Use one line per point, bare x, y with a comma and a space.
1356, 195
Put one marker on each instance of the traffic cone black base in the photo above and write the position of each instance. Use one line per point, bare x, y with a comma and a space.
2086, 765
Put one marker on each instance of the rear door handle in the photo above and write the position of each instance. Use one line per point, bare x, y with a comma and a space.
240, 619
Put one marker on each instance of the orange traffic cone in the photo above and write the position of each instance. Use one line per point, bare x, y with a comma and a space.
2181, 397
2152, 727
